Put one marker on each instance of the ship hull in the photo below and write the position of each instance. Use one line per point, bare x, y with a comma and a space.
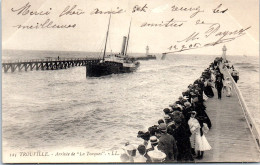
107, 68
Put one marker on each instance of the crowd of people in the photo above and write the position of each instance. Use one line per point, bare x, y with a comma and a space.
234, 73
180, 135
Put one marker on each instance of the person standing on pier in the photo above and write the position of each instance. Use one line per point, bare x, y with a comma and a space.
153, 143
154, 154
219, 86
130, 150
167, 143
141, 156
228, 86
213, 75
186, 111
198, 139
208, 88
182, 134
219, 74
235, 75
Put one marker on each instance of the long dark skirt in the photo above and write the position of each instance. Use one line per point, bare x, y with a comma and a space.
208, 91
184, 148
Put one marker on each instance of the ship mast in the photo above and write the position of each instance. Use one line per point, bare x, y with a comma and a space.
104, 54
128, 38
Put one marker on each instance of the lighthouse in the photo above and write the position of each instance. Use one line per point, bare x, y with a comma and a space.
224, 49
147, 50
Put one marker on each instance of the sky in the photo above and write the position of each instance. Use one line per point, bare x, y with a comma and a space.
90, 30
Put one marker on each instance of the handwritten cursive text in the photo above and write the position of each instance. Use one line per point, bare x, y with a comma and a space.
170, 23
48, 24
71, 11
117, 11
188, 9
199, 40
25, 10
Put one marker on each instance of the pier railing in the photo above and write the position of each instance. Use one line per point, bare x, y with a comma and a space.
250, 120
47, 59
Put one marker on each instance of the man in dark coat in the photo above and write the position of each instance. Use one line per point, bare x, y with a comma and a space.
182, 135
219, 86
167, 144
219, 74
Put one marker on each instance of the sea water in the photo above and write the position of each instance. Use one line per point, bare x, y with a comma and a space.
64, 108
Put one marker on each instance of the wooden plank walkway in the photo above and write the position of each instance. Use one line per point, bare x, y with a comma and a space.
230, 137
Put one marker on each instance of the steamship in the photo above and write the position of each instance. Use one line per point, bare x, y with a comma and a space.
114, 63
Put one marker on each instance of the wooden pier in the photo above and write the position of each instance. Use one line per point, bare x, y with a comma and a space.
234, 136
46, 64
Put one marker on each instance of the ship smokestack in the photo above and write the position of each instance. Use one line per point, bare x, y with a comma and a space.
123, 45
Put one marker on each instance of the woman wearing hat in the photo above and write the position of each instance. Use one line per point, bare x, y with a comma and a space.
228, 86
152, 144
198, 139
130, 153
186, 110
235, 74
156, 156
153, 154
167, 119
208, 89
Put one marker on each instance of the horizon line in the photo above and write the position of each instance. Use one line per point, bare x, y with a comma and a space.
151, 53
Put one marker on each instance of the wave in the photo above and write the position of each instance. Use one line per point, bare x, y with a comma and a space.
247, 66
250, 68
169, 68
186, 66
241, 63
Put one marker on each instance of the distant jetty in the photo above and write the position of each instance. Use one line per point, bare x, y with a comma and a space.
46, 64
148, 57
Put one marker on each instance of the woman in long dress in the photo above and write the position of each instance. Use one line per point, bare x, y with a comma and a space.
208, 89
198, 139
228, 86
